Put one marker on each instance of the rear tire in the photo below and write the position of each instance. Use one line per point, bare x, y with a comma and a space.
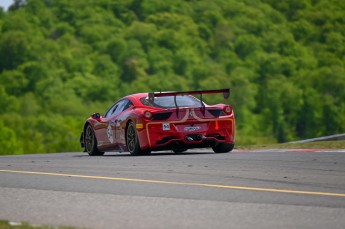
90, 142
132, 141
179, 150
145, 152
223, 147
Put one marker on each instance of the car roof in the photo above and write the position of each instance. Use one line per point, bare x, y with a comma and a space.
135, 98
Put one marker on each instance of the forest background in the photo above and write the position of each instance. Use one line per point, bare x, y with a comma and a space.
62, 60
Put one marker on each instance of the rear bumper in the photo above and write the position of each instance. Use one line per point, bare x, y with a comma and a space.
209, 134
172, 144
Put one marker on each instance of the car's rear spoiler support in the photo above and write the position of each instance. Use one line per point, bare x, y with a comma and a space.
226, 94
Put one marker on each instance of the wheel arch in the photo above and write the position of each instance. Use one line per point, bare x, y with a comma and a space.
84, 130
127, 123
82, 137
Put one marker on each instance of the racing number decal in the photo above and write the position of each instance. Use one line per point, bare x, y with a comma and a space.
166, 126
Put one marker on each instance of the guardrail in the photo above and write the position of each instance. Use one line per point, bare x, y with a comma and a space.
336, 137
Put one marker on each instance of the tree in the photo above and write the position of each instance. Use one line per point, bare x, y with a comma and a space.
62, 60
8, 141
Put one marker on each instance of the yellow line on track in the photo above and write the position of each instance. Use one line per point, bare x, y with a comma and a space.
180, 183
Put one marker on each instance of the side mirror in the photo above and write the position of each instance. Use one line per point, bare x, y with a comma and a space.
96, 116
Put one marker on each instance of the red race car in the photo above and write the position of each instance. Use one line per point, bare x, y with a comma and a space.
145, 122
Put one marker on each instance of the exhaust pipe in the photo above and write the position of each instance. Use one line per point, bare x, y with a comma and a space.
200, 137
188, 139
197, 138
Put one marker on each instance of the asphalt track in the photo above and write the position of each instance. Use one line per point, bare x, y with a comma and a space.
197, 189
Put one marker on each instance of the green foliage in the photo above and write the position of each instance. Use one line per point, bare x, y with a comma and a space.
4, 224
62, 60
8, 140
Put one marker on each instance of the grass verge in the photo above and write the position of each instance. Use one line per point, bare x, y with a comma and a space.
9, 225
307, 145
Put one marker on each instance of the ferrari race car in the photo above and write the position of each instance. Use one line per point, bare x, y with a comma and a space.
145, 122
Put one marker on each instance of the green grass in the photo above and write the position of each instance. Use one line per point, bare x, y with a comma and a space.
307, 145
7, 225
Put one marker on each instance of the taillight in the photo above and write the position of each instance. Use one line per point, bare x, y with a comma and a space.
227, 110
147, 114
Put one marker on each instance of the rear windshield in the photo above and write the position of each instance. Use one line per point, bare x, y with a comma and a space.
168, 101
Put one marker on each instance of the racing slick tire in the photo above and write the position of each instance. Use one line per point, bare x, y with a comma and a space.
91, 142
179, 150
223, 147
132, 141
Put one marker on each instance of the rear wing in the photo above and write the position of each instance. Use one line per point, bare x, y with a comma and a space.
226, 93
152, 95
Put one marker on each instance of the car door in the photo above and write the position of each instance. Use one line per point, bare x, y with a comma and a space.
110, 126
106, 129
120, 121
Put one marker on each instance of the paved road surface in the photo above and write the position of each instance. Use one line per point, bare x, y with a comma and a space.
198, 189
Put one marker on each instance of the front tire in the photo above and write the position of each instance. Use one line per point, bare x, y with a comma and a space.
91, 142
132, 141
223, 147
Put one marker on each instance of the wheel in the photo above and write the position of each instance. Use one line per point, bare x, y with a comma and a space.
132, 141
91, 142
145, 152
179, 150
223, 147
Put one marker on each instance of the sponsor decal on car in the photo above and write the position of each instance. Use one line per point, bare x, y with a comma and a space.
191, 128
110, 134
